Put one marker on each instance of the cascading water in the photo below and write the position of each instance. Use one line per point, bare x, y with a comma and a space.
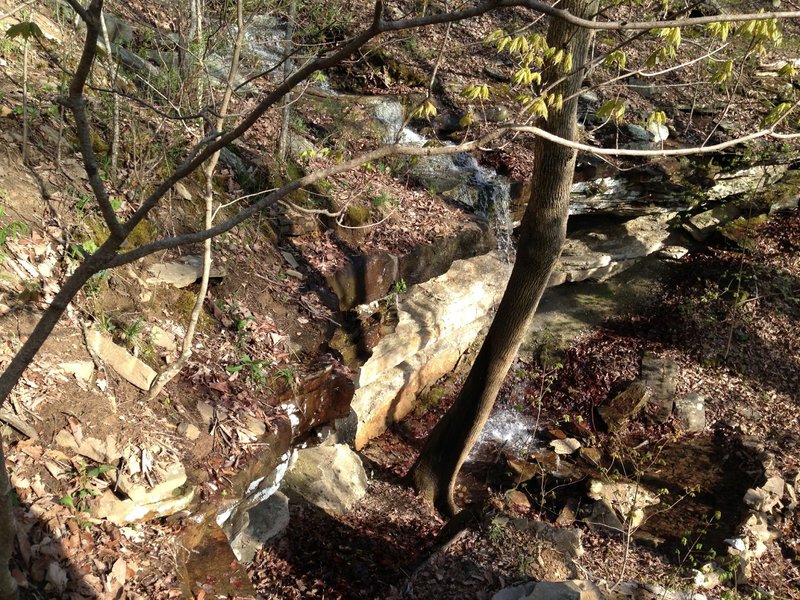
458, 177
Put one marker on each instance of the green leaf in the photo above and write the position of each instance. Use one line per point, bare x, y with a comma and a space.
67, 501
26, 29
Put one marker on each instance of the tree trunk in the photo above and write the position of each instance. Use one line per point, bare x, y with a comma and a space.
543, 231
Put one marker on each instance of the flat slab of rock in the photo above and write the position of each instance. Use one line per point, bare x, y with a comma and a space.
607, 250
329, 477
660, 374
123, 362
180, 273
625, 406
703, 225
576, 589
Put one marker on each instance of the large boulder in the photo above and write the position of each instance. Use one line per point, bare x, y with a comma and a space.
329, 477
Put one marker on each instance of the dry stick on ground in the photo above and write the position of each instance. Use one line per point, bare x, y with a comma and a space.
208, 173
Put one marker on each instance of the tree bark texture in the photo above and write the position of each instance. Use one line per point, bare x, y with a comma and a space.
543, 231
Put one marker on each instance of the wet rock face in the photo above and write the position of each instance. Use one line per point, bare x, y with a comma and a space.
368, 278
320, 399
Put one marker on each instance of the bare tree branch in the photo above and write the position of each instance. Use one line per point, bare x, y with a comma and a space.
282, 192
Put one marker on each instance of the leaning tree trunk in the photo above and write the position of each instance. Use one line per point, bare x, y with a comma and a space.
543, 231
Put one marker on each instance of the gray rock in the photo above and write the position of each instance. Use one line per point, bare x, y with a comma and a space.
517, 592
660, 374
260, 524
604, 518
691, 410
125, 364
638, 133
577, 589
643, 87
610, 248
180, 273
329, 477
119, 31
703, 225
566, 540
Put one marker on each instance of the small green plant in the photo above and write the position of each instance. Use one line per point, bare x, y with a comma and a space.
105, 322
287, 375
254, 368
85, 487
496, 529
14, 230
400, 286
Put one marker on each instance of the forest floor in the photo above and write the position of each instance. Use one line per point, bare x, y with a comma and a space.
731, 319
740, 351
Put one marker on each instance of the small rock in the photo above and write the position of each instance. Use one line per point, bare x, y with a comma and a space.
660, 374
673, 252
637, 132
124, 512
206, 411
593, 456
81, 369
295, 274
189, 431
691, 410
255, 425
518, 499
163, 339
604, 518
703, 225
170, 478
568, 514
290, 259
182, 192
577, 589
517, 592
566, 446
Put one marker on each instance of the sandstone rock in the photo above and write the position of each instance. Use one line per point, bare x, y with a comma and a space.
517, 592
627, 497
691, 410
438, 320
577, 589
608, 249
182, 192
169, 478
189, 431
330, 477
100, 451
180, 273
566, 446
81, 369
124, 512
163, 339
566, 540
624, 406
703, 225
604, 518
128, 366
263, 522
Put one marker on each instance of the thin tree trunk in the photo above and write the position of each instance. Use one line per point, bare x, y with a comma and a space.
170, 372
8, 586
286, 109
543, 231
